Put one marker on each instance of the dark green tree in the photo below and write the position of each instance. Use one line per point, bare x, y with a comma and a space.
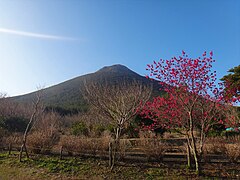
232, 84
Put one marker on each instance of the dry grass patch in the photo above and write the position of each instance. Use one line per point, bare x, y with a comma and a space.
82, 144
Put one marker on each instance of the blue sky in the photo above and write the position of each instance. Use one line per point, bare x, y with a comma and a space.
46, 42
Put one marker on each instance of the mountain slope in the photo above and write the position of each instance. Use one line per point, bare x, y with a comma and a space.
68, 95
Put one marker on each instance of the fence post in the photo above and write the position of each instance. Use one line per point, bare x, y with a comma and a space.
61, 150
110, 154
9, 149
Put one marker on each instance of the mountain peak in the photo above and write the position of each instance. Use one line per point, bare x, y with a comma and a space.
67, 95
115, 68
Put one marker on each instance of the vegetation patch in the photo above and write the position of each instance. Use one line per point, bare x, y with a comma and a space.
42, 167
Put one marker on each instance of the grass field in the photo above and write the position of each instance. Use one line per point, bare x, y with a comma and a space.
50, 167
44, 167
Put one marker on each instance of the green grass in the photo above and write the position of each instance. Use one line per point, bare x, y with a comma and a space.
50, 167
43, 167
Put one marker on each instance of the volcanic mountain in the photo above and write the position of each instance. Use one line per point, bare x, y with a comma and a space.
67, 95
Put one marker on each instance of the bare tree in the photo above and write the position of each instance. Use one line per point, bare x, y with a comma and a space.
117, 103
11, 108
48, 123
36, 111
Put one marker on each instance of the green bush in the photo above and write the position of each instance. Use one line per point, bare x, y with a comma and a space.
217, 130
13, 124
79, 128
110, 128
99, 129
232, 133
132, 131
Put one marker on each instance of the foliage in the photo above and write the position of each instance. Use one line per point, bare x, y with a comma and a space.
216, 130
110, 128
132, 131
232, 84
231, 133
193, 100
79, 128
63, 111
99, 129
144, 122
13, 124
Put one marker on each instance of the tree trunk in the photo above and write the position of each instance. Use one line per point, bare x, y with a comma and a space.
195, 155
202, 142
193, 143
114, 151
20, 155
115, 146
23, 147
31, 121
194, 151
189, 163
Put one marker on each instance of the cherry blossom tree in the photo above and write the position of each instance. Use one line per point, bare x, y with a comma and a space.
193, 101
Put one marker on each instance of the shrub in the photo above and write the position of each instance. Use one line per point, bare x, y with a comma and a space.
233, 148
215, 145
132, 130
216, 130
99, 129
153, 147
79, 128
232, 133
82, 144
110, 128
69, 143
41, 141
13, 124
124, 145
15, 139
233, 152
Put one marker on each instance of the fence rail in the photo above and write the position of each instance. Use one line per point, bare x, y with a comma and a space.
137, 156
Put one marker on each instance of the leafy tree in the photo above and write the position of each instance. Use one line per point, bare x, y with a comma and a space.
232, 84
193, 101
